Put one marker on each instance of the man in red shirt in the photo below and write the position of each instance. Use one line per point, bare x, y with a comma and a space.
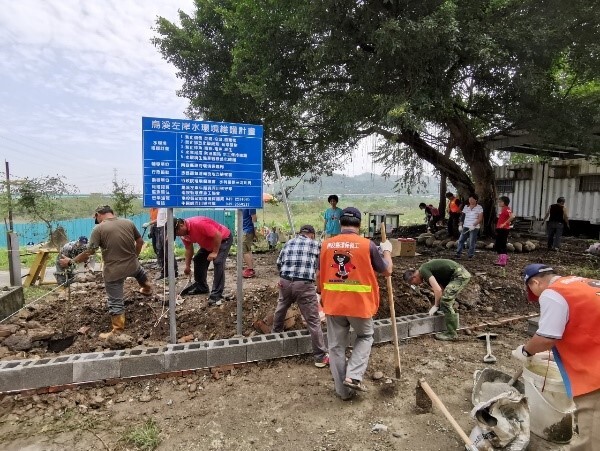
214, 240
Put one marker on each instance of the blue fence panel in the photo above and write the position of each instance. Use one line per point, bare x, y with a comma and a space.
37, 232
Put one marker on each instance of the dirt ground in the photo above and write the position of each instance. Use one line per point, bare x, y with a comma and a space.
286, 404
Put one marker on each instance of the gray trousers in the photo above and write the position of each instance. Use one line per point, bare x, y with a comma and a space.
338, 337
304, 293
115, 292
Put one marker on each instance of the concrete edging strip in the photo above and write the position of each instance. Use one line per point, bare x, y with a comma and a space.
19, 375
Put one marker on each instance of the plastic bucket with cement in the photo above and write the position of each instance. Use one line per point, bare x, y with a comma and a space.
552, 411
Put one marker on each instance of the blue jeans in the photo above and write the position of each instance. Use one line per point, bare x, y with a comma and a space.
471, 234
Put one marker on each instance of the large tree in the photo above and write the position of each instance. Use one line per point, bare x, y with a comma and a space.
320, 75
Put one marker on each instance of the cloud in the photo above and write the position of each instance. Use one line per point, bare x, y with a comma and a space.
79, 75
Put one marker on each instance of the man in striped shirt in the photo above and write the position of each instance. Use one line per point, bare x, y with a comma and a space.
298, 265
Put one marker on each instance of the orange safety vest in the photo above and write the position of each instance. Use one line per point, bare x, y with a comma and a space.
153, 214
346, 277
577, 353
454, 205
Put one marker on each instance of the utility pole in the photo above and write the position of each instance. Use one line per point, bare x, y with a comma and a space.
12, 241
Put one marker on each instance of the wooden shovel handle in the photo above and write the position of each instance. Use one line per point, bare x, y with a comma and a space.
440, 405
390, 290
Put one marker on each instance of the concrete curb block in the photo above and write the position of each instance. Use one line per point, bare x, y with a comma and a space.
20, 375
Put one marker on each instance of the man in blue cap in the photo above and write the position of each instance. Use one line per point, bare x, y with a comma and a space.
569, 319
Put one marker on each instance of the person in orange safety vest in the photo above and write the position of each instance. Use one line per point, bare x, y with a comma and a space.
569, 319
350, 297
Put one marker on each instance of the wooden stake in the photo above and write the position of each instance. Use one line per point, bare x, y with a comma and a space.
390, 291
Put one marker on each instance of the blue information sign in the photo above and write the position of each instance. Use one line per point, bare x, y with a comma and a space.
200, 164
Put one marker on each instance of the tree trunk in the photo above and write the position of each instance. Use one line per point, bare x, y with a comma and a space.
478, 159
444, 180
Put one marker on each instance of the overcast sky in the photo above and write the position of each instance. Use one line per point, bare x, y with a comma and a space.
77, 76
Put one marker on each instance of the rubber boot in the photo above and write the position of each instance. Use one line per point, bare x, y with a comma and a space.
451, 327
498, 261
504, 260
118, 325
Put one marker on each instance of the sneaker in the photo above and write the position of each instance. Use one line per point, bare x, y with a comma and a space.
248, 273
323, 362
212, 302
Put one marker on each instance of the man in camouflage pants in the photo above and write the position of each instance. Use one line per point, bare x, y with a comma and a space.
446, 278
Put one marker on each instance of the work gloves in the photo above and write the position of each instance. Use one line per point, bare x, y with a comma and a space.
386, 246
460, 229
433, 310
145, 225
518, 354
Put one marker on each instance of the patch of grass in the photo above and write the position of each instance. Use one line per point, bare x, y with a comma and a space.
25, 257
145, 437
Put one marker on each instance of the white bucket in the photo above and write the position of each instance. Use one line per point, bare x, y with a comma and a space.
552, 411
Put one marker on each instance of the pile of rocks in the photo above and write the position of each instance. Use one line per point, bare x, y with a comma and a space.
440, 239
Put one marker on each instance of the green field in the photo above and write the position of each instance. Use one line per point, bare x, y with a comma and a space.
310, 212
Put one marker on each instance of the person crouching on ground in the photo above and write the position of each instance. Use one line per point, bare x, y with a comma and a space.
65, 274
298, 265
350, 297
569, 318
432, 216
214, 240
121, 244
446, 278
502, 228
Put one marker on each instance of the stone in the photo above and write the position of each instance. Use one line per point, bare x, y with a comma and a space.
379, 428
18, 343
41, 333
518, 247
450, 244
429, 241
510, 247
186, 339
8, 329
120, 341
146, 397
377, 375
490, 246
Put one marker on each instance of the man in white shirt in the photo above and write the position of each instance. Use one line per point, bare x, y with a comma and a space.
469, 225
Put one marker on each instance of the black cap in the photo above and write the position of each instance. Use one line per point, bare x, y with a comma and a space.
351, 212
307, 228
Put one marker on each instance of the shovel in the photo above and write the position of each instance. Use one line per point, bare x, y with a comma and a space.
390, 291
489, 357
426, 404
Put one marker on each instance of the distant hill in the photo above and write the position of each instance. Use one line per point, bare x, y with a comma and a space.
365, 184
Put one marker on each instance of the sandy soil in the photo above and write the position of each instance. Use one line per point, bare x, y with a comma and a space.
286, 404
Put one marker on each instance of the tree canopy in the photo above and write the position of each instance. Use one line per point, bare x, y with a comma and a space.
425, 75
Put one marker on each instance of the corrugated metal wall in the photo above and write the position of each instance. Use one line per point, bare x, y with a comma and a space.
37, 232
531, 198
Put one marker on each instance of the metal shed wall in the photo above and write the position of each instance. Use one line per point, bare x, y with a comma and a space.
531, 198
